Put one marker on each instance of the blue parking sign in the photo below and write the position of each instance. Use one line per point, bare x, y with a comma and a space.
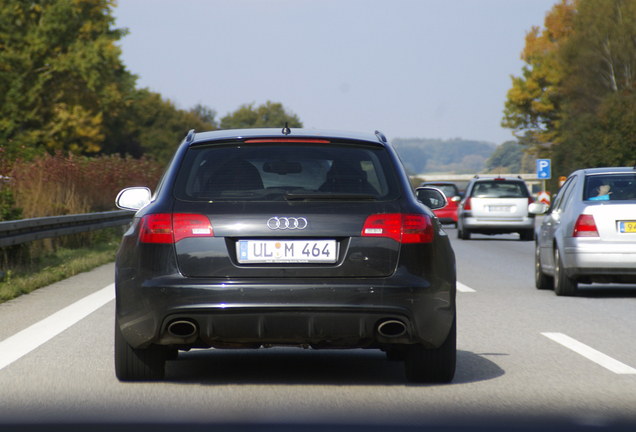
544, 169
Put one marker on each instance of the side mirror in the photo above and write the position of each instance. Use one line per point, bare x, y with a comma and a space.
133, 198
537, 208
431, 197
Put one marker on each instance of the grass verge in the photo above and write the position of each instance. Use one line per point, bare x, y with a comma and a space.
54, 267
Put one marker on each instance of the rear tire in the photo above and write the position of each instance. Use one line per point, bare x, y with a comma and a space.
563, 285
432, 365
133, 364
541, 281
395, 354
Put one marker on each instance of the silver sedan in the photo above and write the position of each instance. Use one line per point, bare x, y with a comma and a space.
588, 235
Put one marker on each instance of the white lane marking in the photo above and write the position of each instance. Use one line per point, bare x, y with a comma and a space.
590, 353
463, 288
22, 343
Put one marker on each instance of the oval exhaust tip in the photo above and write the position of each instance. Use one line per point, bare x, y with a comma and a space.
392, 328
182, 329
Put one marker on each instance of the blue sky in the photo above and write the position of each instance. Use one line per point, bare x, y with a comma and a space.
409, 68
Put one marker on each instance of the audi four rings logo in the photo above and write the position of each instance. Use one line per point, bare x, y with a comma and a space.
284, 223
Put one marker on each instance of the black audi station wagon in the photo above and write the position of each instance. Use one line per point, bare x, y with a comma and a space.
268, 237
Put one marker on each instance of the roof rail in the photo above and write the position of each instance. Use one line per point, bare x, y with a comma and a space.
380, 136
190, 136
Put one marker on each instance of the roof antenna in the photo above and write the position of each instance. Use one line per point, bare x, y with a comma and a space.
286, 130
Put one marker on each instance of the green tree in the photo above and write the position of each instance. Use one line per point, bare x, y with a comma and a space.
268, 115
600, 56
506, 158
599, 111
62, 83
154, 127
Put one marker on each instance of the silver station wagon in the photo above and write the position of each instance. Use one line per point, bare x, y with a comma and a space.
589, 233
495, 205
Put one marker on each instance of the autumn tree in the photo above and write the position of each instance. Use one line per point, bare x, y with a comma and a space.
61, 79
270, 114
533, 104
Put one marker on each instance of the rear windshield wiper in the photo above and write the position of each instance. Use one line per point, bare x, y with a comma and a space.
322, 196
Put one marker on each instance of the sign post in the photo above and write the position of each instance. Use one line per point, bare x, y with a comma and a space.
544, 170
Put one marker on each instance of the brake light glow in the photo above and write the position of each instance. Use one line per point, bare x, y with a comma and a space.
287, 140
585, 226
403, 228
191, 225
467, 205
168, 228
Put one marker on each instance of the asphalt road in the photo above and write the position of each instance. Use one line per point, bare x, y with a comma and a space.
524, 356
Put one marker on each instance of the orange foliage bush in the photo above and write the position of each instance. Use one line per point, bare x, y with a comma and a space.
58, 185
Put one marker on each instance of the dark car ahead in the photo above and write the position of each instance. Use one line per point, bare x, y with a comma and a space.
262, 237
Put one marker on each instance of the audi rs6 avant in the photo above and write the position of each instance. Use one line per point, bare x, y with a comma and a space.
262, 237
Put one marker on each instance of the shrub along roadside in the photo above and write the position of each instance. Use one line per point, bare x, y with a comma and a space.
52, 267
54, 185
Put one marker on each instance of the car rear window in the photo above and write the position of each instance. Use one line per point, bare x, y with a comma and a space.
500, 189
449, 190
610, 187
276, 171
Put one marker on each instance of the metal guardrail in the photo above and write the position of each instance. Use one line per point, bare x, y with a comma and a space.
27, 230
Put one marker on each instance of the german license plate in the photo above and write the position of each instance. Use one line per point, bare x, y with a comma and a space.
287, 251
499, 208
627, 226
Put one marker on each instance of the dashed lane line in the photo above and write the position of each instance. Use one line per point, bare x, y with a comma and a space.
25, 341
463, 288
591, 354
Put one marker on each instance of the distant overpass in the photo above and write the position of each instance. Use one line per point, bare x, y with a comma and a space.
462, 179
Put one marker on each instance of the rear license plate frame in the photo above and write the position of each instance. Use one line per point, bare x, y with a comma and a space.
627, 227
287, 251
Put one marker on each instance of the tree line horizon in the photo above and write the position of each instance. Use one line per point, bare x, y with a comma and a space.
64, 87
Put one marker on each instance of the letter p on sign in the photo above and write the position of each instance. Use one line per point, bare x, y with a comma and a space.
544, 169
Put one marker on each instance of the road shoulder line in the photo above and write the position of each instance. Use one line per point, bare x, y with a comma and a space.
25, 341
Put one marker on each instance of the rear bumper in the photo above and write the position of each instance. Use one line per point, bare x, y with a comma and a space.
320, 313
496, 226
446, 216
592, 257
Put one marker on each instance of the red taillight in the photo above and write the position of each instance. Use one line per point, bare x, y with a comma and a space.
467, 204
403, 228
585, 227
156, 228
191, 225
383, 225
417, 228
530, 200
170, 228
